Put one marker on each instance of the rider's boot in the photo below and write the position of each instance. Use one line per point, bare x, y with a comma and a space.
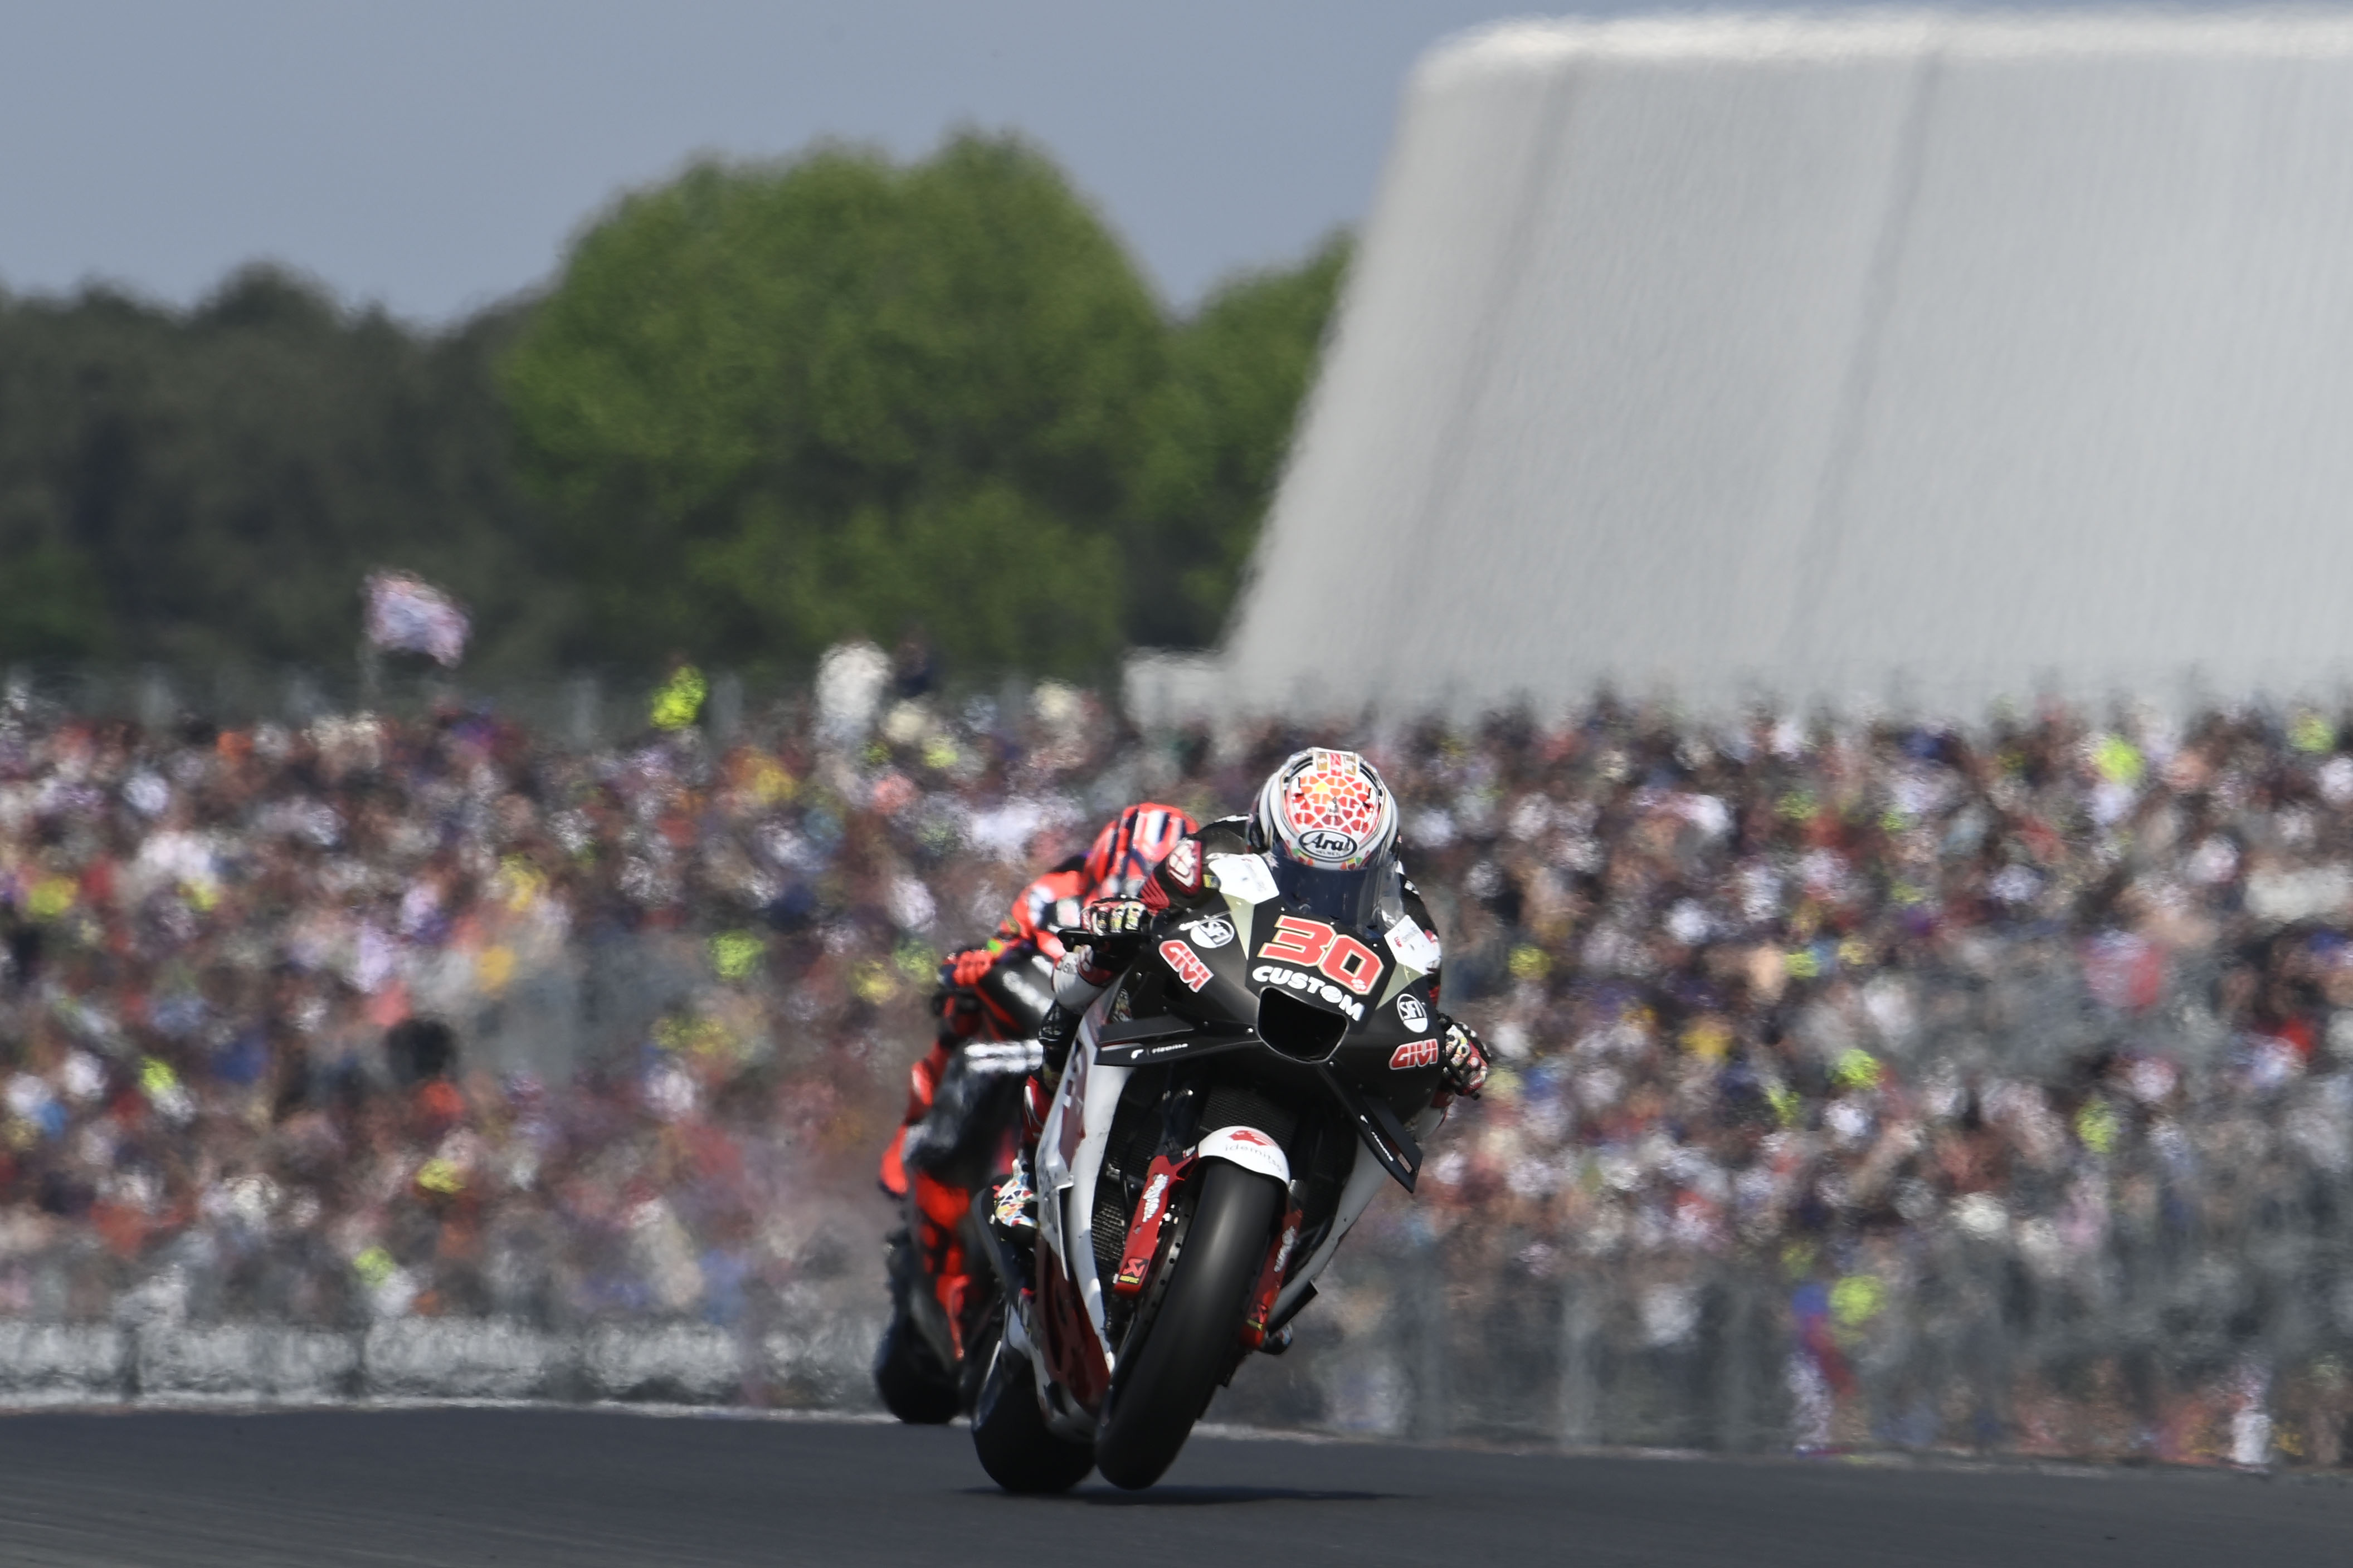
1013, 1208
1013, 1216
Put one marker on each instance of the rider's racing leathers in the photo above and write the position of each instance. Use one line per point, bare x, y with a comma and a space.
998, 992
1114, 925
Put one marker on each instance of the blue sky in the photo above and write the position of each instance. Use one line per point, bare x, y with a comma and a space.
434, 155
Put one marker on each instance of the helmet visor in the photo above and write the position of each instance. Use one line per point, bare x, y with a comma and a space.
1351, 900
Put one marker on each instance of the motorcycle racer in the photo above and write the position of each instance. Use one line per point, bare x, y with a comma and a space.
985, 992
1326, 825
959, 1113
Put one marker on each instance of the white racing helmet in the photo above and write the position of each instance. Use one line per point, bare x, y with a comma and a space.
1330, 826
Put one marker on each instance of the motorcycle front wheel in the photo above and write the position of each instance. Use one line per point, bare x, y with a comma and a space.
914, 1387
1164, 1383
1009, 1433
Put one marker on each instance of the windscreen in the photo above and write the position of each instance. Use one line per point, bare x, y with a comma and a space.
1352, 901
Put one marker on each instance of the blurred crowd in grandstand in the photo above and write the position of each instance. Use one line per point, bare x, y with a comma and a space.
1998, 1083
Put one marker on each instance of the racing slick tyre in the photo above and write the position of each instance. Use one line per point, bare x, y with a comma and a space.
1009, 1433
1163, 1385
914, 1385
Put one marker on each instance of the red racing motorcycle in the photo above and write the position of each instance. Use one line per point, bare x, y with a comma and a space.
944, 1299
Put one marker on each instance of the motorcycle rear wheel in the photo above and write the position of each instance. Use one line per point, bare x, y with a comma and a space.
1009, 1433
1164, 1383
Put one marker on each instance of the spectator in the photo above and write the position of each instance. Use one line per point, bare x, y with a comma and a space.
374, 1017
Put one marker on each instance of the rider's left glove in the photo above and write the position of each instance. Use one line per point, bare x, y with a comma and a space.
1464, 1057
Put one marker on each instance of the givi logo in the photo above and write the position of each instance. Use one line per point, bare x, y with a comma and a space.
1185, 962
1414, 1054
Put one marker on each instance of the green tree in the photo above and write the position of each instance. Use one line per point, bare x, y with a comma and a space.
1221, 428
774, 405
211, 485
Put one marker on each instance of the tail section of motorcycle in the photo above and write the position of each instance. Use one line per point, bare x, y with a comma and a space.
934, 1355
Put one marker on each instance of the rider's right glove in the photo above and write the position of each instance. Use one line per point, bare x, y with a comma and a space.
967, 967
1114, 928
1464, 1059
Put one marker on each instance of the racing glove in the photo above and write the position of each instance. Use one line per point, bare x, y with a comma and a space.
1464, 1057
1115, 928
955, 1004
967, 967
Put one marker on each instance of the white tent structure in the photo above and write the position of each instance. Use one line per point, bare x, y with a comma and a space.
1904, 356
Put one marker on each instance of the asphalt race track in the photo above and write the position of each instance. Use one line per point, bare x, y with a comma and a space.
528, 1486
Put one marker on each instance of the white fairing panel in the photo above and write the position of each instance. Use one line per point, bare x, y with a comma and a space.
1070, 1158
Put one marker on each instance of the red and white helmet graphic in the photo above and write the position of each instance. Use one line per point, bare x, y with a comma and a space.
1327, 809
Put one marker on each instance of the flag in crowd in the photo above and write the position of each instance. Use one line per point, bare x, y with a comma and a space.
407, 615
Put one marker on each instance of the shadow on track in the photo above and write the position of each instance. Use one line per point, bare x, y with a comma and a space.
1207, 1497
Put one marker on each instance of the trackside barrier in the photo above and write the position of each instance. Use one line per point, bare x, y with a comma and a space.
2174, 1339
2174, 1335
421, 1359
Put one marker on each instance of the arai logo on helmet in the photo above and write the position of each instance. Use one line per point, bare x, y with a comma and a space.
1328, 807
1327, 844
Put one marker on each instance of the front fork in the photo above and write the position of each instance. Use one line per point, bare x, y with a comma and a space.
1270, 1280
1144, 1231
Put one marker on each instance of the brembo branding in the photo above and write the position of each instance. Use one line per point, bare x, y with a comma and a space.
1312, 986
1282, 1254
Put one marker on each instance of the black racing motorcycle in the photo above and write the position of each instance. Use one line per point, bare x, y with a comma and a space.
1231, 1107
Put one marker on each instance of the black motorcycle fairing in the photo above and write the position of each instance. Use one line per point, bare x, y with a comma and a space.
1161, 1048
1293, 999
1024, 990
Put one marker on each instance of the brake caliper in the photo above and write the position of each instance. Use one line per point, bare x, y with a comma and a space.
1151, 1214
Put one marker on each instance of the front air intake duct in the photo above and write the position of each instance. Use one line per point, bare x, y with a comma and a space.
1300, 1030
